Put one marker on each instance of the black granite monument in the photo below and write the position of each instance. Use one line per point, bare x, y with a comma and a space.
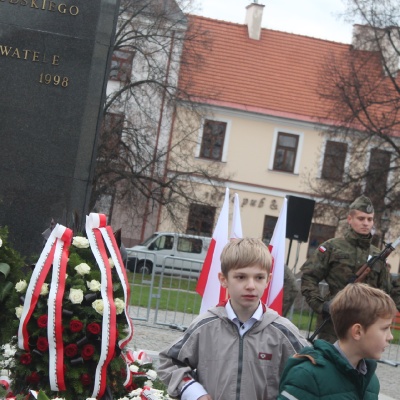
54, 58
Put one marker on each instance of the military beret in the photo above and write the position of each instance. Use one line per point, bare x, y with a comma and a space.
362, 203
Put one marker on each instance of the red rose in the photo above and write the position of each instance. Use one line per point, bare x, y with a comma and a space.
42, 344
93, 328
131, 387
75, 325
42, 321
86, 379
87, 351
71, 350
33, 378
25, 358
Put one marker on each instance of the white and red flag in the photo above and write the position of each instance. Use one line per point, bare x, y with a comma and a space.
273, 295
208, 285
236, 228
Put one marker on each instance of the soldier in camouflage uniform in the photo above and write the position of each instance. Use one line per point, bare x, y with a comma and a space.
337, 260
290, 290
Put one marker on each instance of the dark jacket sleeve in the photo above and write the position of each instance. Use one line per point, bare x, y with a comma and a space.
315, 270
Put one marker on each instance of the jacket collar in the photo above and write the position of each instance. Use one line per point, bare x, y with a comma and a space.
358, 240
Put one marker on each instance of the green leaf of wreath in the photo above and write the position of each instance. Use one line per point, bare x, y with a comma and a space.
4, 269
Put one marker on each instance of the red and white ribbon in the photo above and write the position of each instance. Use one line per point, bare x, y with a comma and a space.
112, 246
109, 238
142, 358
5, 382
109, 326
55, 252
54, 323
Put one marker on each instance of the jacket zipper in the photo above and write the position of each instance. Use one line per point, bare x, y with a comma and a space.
240, 367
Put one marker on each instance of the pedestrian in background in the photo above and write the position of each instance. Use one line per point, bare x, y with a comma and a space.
290, 290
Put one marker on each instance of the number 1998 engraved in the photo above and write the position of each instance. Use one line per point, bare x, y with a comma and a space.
55, 80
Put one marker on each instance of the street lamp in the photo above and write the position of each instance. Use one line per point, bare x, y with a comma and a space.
385, 221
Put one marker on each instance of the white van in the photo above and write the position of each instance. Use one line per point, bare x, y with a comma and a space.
177, 253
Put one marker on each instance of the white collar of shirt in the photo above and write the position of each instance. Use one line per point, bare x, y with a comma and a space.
246, 325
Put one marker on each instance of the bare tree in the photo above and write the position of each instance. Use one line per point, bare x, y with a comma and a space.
141, 167
362, 88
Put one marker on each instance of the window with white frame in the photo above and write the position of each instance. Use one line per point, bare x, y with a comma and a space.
213, 139
286, 152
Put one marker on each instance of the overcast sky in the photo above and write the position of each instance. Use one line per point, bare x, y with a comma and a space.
317, 18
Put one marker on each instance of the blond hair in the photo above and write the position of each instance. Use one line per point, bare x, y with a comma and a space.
241, 253
361, 304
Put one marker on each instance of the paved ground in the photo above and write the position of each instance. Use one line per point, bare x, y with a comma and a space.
153, 338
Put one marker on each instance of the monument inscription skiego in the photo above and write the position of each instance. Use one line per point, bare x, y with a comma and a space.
54, 58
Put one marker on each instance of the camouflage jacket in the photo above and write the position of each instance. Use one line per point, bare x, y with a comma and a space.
336, 261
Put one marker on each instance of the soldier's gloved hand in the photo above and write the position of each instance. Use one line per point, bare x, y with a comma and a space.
325, 309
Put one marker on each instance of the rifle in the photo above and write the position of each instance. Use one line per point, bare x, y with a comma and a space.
359, 276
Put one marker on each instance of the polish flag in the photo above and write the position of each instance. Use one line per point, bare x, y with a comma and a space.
273, 295
208, 285
236, 228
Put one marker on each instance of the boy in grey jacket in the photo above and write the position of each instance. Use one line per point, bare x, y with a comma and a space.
236, 350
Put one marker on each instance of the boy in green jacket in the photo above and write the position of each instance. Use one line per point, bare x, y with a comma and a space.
362, 317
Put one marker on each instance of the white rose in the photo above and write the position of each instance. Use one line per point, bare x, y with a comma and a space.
119, 305
98, 305
76, 296
82, 269
134, 368
9, 351
148, 383
18, 311
21, 286
1, 242
110, 260
94, 285
45, 289
80, 242
151, 374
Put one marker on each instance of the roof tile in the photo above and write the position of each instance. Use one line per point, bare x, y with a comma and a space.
281, 71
